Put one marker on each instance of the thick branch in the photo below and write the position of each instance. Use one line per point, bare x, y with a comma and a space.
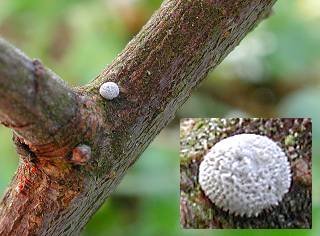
34, 101
156, 73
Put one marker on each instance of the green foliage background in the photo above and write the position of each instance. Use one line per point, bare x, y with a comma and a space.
274, 72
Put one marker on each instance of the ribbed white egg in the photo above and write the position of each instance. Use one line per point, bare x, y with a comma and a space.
109, 90
245, 174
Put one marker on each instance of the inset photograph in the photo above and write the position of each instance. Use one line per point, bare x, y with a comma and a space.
246, 173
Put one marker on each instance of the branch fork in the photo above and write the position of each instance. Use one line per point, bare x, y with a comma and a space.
157, 72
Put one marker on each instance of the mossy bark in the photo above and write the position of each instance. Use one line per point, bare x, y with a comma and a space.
199, 135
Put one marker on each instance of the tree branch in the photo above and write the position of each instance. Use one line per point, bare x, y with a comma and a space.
34, 101
156, 73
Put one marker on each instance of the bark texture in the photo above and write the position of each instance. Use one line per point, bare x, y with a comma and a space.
199, 135
75, 146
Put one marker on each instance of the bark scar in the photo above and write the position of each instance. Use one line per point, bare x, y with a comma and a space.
23, 149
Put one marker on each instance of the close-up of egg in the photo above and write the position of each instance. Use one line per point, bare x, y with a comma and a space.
245, 174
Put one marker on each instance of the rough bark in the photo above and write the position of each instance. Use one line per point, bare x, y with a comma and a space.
199, 135
60, 183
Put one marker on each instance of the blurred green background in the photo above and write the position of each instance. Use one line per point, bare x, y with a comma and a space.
275, 71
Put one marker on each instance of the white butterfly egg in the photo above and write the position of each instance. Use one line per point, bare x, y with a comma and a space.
245, 174
109, 90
